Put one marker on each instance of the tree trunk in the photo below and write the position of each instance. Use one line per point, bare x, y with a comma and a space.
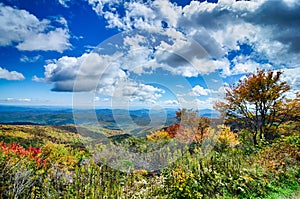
255, 140
261, 133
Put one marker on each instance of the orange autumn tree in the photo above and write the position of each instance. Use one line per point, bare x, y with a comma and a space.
190, 126
258, 103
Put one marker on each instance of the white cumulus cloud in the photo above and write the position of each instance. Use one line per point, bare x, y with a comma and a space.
270, 28
26, 32
199, 90
97, 73
10, 75
189, 41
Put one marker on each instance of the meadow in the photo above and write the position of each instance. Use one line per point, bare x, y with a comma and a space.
52, 162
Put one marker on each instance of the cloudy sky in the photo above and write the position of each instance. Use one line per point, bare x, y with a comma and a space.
153, 53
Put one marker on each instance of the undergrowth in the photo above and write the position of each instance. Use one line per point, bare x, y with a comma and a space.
63, 170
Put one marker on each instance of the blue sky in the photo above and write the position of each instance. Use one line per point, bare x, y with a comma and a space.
159, 53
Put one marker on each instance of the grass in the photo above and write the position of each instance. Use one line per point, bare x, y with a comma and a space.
285, 192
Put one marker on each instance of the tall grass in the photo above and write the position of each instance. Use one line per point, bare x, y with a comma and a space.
225, 172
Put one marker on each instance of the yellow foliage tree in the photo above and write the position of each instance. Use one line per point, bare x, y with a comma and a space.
226, 137
158, 136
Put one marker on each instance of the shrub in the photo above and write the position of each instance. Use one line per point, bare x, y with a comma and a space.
226, 138
159, 136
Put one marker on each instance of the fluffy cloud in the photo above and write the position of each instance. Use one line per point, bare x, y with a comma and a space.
133, 91
10, 75
177, 49
272, 28
56, 40
244, 65
292, 76
82, 73
197, 39
97, 73
283, 17
171, 102
138, 14
27, 32
199, 90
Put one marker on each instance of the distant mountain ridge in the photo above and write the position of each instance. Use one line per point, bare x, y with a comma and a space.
107, 118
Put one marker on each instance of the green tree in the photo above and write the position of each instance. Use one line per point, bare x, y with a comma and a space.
258, 103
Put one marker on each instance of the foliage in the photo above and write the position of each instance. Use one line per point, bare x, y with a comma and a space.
282, 155
69, 172
226, 138
14, 149
159, 136
257, 103
190, 126
233, 174
61, 155
37, 136
213, 176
